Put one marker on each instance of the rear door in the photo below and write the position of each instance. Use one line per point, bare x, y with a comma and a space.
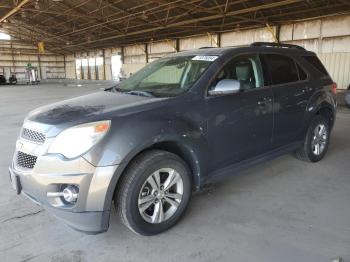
240, 124
289, 82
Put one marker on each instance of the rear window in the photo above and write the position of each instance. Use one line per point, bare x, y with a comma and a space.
282, 69
316, 63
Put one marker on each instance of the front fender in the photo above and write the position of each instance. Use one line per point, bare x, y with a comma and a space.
125, 141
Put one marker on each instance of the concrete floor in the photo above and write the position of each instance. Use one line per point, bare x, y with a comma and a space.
283, 210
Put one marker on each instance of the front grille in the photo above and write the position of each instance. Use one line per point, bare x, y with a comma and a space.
32, 135
25, 160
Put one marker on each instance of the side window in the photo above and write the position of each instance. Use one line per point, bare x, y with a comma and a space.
302, 74
282, 69
245, 68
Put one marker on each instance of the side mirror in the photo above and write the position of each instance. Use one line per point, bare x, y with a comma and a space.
225, 87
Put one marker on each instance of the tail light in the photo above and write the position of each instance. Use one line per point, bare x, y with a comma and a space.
334, 88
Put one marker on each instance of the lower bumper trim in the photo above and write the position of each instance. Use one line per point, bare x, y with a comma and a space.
15, 181
86, 222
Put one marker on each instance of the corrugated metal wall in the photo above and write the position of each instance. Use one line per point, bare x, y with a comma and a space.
246, 37
70, 66
160, 49
190, 43
15, 56
338, 66
328, 37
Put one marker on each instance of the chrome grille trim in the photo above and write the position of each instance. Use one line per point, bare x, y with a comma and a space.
25, 160
32, 135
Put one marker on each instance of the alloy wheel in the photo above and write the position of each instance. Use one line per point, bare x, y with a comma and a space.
319, 139
160, 195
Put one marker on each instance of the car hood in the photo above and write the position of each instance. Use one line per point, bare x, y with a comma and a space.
102, 105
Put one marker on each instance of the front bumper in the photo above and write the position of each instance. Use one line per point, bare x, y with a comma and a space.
51, 172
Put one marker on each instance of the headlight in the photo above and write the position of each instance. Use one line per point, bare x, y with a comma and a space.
77, 140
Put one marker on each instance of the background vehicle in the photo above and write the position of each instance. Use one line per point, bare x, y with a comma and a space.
175, 125
2, 80
13, 80
347, 97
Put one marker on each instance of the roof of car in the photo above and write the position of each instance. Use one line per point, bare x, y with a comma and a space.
258, 46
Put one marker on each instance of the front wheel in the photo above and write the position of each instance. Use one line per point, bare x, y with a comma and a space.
316, 142
154, 192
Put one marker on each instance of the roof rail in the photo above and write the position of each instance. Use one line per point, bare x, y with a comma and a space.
270, 44
205, 47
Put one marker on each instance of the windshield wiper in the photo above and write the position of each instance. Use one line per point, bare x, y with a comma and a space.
131, 92
140, 93
114, 89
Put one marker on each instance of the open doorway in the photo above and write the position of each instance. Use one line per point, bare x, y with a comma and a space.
116, 64
78, 71
85, 70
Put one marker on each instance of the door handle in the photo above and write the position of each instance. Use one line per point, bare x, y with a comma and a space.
264, 101
301, 92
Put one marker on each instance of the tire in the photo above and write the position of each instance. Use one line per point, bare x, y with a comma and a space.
135, 188
308, 152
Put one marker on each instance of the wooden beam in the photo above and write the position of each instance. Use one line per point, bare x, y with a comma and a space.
272, 32
14, 10
104, 63
146, 53
40, 70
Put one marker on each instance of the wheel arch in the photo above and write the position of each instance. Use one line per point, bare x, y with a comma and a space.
186, 153
182, 150
321, 103
327, 113
325, 110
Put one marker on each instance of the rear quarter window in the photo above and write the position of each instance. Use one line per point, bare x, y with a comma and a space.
316, 63
302, 74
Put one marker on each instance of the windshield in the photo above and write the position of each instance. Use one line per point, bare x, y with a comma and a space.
166, 77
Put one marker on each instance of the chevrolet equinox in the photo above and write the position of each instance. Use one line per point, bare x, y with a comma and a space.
145, 144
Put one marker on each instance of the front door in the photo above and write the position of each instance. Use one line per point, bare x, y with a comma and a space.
240, 125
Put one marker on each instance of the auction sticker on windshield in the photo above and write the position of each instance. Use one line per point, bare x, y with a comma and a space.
209, 58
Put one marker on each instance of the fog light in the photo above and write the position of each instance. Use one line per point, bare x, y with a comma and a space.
70, 194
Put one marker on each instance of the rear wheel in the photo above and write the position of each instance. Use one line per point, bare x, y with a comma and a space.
316, 141
154, 192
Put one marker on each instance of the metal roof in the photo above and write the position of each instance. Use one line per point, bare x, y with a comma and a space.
71, 26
